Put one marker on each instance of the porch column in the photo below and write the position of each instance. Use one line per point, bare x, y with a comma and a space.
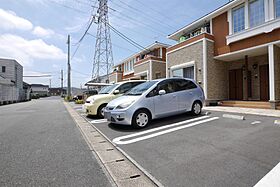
271, 74
245, 87
205, 68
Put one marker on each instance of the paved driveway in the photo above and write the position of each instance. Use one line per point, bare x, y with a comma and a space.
201, 151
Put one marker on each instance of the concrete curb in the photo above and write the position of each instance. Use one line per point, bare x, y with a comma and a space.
145, 178
141, 168
231, 116
153, 179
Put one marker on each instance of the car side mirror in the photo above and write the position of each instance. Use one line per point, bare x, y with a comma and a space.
116, 92
162, 92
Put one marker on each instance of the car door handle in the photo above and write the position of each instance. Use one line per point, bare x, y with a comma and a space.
190, 93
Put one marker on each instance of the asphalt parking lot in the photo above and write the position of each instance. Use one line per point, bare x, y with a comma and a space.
207, 150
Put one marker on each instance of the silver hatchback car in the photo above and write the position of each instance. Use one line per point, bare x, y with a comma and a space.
155, 99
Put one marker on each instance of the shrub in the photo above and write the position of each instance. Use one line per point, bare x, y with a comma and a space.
79, 102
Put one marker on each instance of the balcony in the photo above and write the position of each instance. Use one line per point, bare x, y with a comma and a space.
148, 58
190, 41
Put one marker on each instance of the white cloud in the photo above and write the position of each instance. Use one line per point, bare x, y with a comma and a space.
9, 20
42, 32
28, 51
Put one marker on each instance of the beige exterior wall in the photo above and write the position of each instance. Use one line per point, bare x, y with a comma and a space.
217, 76
142, 68
190, 53
277, 72
115, 77
158, 67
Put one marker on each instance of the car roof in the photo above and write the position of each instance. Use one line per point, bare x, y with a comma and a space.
171, 78
123, 82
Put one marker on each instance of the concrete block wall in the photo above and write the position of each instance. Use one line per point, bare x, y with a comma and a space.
158, 67
190, 53
142, 67
217, 76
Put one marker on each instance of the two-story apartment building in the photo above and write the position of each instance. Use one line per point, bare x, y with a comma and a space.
147, 64
11, 81
232, 52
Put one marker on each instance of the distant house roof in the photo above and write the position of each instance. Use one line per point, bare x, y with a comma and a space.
39, 85
26, 85
56, 89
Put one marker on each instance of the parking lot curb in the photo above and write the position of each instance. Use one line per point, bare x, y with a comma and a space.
138, 175
231, 116
153, 179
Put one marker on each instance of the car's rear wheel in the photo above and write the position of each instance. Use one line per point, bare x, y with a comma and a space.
141, 119
100, 111
196, 108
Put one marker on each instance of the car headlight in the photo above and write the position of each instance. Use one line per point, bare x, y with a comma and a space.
124, 105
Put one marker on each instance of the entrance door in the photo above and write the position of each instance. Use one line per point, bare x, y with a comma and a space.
236, 84
264, 82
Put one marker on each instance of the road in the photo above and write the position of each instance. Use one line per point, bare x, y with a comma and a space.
190, 151
40, 145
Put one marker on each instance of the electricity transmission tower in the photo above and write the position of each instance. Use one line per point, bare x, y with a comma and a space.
103, 56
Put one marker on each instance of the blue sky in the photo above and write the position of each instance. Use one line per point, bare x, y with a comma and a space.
34, 32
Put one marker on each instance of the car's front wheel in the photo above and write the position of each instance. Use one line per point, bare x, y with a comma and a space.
141, 119
100, 111
196, 108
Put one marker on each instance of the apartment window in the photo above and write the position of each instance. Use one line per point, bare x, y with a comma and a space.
187, 72
238, 17
3, 69
128, 66
277, 8
256, 12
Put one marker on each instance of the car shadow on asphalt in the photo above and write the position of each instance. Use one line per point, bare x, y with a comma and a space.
93, 117
155, 123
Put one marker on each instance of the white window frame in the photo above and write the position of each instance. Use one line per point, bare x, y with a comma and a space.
182, 66
273, 7
264, 6
236, 8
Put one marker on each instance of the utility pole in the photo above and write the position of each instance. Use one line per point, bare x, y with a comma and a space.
50, 83
61, 79
103, 56
69, 70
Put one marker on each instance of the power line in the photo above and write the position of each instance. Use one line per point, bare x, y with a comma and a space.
114, 44
132, 42
133, 20
81, 39
157, 21
68, 7
156, 11
81, 73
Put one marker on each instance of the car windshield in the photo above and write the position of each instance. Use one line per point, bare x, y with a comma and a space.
108, 89
141, 88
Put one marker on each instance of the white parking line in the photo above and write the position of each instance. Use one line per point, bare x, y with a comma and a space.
99, 121
255, 122
119, 140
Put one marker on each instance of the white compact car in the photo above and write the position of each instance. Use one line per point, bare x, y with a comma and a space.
155, 99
